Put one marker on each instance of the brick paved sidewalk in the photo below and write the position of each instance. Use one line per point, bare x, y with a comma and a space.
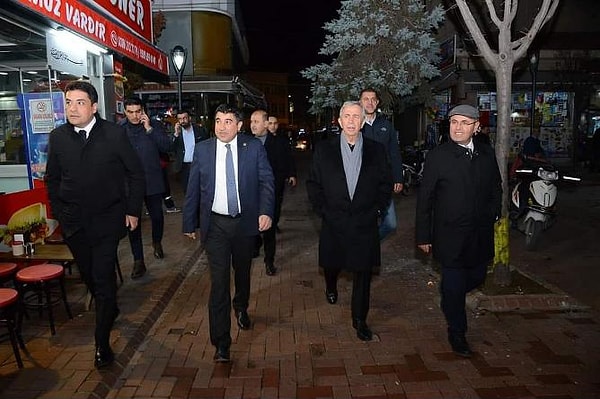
61, 366
302, 347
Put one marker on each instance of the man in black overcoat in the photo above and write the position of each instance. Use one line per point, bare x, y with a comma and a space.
96, 187
284, 172
460, 199
350, 186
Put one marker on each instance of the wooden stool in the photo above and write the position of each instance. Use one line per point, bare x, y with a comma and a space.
7, 272
8, 311
41, 280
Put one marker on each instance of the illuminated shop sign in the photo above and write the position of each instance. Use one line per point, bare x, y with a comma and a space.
89, 23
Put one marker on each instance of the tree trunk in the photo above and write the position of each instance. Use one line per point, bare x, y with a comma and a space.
501, 268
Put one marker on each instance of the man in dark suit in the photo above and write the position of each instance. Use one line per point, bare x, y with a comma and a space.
460, 199
231, 185
284, 171
149, 140
186, 136
96, 188
350, 186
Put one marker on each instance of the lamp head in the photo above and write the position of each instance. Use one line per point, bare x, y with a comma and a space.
534, 60
178, 57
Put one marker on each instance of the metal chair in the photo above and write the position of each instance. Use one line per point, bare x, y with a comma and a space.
37, 287
8, 311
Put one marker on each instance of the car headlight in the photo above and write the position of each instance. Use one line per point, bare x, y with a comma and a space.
547, 174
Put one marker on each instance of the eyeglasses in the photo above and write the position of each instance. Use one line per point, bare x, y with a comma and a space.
463, 123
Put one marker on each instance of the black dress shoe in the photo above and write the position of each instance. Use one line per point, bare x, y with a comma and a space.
459, 345
243, 320
270, 269
103, 357
363, 332
331, 296
222, 355
158, 251
139, 269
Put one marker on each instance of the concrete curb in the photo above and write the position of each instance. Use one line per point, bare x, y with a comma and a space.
558, 300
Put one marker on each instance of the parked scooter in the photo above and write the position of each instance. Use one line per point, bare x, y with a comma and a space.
537, 179
412, 168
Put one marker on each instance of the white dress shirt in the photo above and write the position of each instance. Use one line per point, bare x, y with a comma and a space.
220, 200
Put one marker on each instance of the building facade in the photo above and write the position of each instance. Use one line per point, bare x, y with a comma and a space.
46, 44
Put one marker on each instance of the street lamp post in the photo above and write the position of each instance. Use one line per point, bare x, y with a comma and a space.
178, 58
291, 109
533, 68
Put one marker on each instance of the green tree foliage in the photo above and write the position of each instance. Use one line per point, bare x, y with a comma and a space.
388, 45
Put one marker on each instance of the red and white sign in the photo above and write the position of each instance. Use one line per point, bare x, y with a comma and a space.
137, 14
82, 19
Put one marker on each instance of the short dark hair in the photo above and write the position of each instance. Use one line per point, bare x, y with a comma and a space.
84, 86
368, 90
230, 109
133, 101
183, 111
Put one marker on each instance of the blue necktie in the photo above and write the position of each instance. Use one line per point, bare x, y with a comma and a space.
232, 202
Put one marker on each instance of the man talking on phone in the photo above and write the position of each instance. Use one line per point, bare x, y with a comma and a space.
149, 139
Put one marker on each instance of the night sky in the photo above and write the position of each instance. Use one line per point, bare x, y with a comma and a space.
286, 35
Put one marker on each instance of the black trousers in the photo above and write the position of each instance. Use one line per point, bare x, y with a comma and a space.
225, 248
361, 291
155, 210
456, 283
269, 237
96, 260
185, 175
168, 200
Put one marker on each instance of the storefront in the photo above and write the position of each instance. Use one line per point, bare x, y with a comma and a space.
43, 46
46, 44
553, 117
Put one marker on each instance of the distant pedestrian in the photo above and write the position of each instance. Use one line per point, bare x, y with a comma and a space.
378, 128
349, 186
273, 125
532, 147
284, 170
231, 186
96, 188
186, 136
595, 164
460, 199
149, 139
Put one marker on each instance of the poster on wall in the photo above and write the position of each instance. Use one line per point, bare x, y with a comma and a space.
40, 113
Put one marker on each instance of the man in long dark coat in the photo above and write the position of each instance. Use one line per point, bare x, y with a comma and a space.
349, 186
460, 199
96, 188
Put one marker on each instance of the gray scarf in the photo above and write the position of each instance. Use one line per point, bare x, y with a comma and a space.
352, 160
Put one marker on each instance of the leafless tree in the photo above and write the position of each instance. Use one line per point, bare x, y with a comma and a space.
502, 61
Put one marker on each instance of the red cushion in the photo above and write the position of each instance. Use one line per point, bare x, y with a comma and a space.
7, 296
38, 273
6, 269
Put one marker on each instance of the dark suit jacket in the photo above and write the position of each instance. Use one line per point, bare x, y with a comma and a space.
255, 186
281, 160
148, 147
200, 134
349, 237
94, 184
458, 203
